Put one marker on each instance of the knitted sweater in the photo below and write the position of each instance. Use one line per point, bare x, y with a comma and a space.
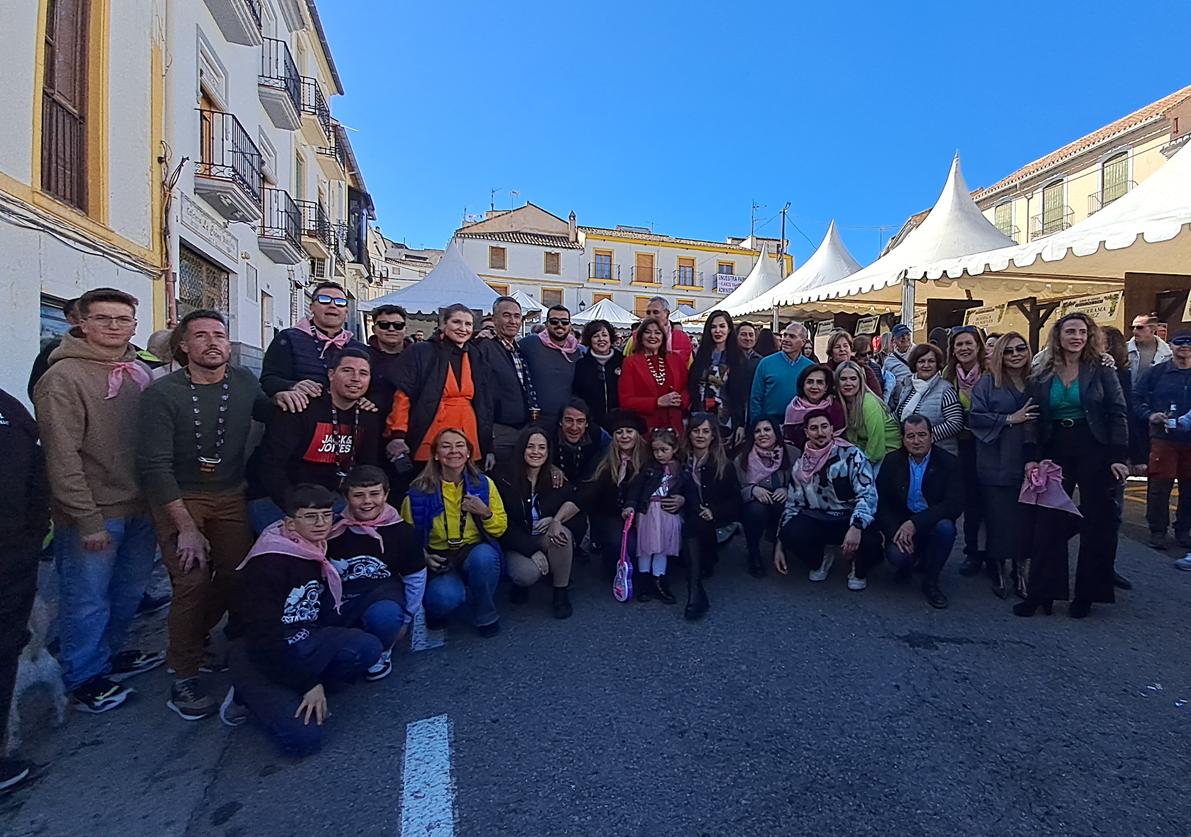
843, 489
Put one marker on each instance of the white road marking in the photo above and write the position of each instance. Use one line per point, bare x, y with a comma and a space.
428, 784
422, 638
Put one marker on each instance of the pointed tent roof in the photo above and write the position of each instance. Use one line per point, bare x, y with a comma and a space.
954, 227
764, 276
829, 263
449, 282
608, 310
528, 304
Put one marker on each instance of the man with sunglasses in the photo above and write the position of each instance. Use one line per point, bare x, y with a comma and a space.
550, 356
299, 357
1161, 396
385, 347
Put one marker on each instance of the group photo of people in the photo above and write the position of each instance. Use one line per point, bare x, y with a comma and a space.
310, 518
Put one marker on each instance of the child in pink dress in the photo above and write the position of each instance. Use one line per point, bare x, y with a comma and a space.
662, 495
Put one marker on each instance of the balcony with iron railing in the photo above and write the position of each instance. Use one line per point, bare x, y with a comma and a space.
279, 237
1049, 223
228, 172
279, 85
332, 159
645, 275
316, 113
238, 20
317, 236
603, 271
688, 278
1107, 195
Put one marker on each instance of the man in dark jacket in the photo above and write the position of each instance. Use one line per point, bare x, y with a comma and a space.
70, 310
24, 521
299, 357
551, 358
1162, 395
514, 400
385, 347
920, 493
580, 442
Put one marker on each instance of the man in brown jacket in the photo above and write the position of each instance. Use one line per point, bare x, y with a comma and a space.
87, 406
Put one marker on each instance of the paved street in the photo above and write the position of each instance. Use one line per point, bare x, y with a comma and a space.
793, 709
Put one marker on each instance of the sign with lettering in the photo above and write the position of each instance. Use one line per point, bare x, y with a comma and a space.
920, 320
725, 283
1102, 308
209, 228
867, 325
988, 318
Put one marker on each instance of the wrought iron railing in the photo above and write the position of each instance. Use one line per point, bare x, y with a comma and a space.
314, 222
227, 152
315, 103
279, 70
686, 277
648, 275
604, 271
280, 217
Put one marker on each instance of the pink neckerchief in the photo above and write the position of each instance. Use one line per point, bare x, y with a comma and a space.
275, 540
966, 380
799, 407
1043, 486
387, 517
121, 369
762, 464
568, 348
623, 470
339, 340
813, 460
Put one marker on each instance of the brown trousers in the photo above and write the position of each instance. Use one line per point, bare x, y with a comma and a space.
525, 571
201, 596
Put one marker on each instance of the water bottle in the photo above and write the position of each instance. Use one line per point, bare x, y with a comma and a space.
1172, 419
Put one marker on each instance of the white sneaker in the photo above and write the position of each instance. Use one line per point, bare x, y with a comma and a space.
1184, 563
855, 583
231, 713
824, 568
382, 668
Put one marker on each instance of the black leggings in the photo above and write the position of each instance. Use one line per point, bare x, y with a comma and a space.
759, 519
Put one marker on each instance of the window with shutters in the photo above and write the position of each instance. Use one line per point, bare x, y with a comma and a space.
497, 258
1114, 178
1053, 211
597, 298
64, 102
201, 284
551, 263
502, 290
1003, 218
551, 296
685, 275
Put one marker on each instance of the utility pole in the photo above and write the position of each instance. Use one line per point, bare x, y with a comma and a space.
781, 244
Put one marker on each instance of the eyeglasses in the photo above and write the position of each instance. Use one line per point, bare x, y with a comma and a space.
1019, 349
316, 516
106, 321
389, 325
556, 321
327, 299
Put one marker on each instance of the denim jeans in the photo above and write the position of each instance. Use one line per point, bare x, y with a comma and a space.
931, 551
474, 584
99, 593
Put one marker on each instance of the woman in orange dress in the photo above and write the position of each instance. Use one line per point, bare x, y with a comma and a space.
440, 385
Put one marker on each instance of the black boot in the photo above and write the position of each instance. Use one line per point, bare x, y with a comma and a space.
661, 590
643, 582
518, 594
972, 565
756, 566
562, 603
696, 596
1030, 606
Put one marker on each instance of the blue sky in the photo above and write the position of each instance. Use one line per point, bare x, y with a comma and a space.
678, 115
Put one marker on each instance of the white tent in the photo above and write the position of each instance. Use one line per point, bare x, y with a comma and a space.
608, 310
765, 275
684, 311
954, 227
528, 304
829, 263
1144, 231
449, 282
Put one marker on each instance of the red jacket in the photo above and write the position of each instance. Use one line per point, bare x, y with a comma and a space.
639, 391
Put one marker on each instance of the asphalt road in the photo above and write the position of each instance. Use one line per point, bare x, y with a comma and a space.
793, 708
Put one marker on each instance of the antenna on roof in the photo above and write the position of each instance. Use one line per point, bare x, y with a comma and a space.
753, 219
513, 195
492, 197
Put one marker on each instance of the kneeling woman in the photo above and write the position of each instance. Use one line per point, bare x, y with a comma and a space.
537, 542
458, 514
604, 496
763, 472
832, 502
663, 497
718, 493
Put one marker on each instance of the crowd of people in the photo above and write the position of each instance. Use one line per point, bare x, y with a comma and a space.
402, 479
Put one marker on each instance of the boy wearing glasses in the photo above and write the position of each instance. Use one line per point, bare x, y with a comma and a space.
287, 592
299, 357
88, 403
550, 356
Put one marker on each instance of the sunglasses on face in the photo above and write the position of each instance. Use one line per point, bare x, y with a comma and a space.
391, 326
557, 321
327, 299
1017, 350
1182, 342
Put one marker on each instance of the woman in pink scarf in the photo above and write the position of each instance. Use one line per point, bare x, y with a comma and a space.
763, 471
965, 367
816, 391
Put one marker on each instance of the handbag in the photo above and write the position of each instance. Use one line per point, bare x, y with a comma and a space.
622, 583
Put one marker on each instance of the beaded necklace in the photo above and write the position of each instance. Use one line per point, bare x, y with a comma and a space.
657, 368
208, 464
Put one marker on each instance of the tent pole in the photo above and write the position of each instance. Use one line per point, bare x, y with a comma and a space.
908, 290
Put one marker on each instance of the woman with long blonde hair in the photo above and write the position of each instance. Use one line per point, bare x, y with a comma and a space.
870, 426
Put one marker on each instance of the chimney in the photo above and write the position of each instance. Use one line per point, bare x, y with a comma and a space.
572, 229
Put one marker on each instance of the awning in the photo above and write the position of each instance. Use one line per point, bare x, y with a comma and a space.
606, 310
829, 263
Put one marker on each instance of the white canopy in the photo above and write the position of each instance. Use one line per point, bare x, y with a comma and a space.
449, 282
608, 310
528, 304
954, 227
829, 263
765, 275
1155, 213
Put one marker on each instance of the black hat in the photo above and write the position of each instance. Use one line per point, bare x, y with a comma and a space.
625, 418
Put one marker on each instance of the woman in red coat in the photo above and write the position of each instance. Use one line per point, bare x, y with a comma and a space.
653, 380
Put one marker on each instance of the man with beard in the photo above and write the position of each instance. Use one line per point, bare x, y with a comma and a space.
195, 425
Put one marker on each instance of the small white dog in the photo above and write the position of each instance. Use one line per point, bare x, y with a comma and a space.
36, 667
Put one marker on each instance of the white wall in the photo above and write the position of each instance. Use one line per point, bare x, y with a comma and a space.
18, 22
132, 170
